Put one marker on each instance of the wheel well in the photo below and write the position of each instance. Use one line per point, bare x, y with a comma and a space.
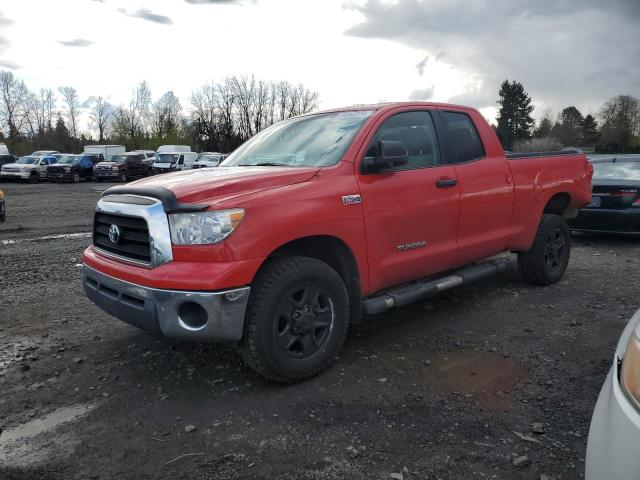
337, 255
559, 204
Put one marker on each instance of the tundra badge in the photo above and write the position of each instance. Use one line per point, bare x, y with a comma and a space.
351, 200
411, 246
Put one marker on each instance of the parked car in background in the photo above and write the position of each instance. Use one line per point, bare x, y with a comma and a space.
73, 168
209, 159
43, 153
2, 207
31, 168
173, 161
324, 218
149, 156
105, 151
6, 158
614, 435
123, 167
615, 203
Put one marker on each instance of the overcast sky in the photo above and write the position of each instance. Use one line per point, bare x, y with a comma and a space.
565, 52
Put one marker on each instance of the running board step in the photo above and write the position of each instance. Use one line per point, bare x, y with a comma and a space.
406, 294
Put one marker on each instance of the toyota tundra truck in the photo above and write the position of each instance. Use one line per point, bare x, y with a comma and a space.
326, 218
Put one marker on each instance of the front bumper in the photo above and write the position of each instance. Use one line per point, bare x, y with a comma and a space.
16, 175
59, 177
607, 220
186, 315
106, 174
614, 435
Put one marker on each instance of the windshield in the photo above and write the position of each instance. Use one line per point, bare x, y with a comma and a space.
167, 157
68, 159
312, 141
28, 160
617, 170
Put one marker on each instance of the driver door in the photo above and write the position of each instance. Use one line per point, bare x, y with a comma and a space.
411, 211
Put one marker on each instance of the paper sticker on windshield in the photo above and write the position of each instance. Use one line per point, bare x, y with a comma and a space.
355, 114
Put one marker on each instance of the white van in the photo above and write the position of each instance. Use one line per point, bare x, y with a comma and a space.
172, 161
3, 149
173, 148
107, 151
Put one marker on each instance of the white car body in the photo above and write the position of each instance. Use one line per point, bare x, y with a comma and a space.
4, 150
209, 159
107, 151
614, 436
24, 171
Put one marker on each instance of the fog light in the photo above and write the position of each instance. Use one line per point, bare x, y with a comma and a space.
192, 316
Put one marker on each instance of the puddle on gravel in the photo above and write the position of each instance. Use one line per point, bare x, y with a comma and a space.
27, 444
46, 238
487, 377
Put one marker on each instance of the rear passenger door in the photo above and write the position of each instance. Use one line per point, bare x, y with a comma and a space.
485, 183
411, 211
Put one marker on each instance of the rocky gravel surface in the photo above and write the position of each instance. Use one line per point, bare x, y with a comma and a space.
496, 380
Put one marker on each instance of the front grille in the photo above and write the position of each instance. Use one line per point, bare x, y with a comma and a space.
11, 169
55, 170
134, 236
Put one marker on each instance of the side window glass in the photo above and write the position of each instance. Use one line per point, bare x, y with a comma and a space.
181, 160
463, 137
415, 130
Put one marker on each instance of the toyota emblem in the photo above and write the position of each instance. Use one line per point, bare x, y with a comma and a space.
114, 233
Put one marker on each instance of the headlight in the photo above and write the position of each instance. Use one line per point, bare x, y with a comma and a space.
203, 227
115, 169
630, 374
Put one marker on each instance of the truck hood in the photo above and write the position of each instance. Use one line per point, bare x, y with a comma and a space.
21, 166
217, 184
108, 164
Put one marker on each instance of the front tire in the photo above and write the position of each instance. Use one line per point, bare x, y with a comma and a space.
123, 177
34, 177
296, 321
75, 177
547, 259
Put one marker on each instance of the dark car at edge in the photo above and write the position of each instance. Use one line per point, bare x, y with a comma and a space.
615, 204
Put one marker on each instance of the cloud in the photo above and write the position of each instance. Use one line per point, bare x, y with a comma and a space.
78, 42
4, 42
564, 52
146, 14
421, 64
424, 94
9, 64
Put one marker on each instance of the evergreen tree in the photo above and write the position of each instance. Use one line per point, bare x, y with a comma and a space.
571, 127
543, 129
514, 118
590, 135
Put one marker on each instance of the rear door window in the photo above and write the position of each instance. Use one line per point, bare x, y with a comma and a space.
463, 138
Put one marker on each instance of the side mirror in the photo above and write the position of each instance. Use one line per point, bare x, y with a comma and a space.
389, 154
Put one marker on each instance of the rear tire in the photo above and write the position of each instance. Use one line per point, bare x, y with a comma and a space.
547, 259
296, 321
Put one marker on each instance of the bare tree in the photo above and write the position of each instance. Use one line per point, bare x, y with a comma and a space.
620, 120
13, 103
72, 105
100, 115
165, 114
131, 121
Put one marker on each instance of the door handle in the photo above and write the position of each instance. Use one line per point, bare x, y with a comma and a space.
446, 183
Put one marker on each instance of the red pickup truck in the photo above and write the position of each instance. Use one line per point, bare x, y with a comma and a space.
325, 218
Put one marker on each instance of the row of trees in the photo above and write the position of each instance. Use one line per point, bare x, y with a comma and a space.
220, 115
618, 129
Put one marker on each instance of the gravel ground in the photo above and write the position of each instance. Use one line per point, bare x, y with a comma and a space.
459, 387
